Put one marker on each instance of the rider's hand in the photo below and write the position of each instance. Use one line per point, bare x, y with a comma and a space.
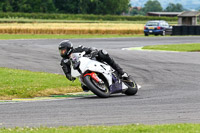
94, 54
72, 79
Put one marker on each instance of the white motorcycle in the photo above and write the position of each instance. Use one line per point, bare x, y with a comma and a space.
99, 77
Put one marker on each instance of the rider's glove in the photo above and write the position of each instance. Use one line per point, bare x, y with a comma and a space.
94, 54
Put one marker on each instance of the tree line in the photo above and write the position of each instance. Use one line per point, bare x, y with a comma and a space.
155, 6
65, 6
84, 6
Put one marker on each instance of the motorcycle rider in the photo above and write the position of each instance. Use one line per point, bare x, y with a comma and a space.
66, 49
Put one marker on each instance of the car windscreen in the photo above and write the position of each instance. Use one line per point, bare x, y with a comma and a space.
152, 24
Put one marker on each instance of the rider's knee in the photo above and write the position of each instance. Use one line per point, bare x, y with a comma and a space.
103, 54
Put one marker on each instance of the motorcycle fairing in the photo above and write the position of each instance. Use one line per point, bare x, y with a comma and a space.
87, 64
95, 66
93, 75
117, 86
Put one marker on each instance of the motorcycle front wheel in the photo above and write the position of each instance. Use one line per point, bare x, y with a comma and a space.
101, 90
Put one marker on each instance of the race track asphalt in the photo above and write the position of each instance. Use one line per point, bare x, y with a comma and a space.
170, 83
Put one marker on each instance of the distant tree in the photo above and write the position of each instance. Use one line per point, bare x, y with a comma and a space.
123, 6
103, 6
171, 7
179, 7
95, 7
135, 12
1, 6
6, 6
31, 6
67, 6
45, 6
174, 8
16, 4
114, 6
152, 6
87, 6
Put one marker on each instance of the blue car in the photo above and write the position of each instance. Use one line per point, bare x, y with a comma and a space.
156, 27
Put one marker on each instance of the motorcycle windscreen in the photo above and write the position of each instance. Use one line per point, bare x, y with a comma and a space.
74, 73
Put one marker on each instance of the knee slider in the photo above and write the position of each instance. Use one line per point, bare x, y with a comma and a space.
103, 53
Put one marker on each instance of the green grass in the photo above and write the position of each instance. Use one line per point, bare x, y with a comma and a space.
34, 36
65, 16
195, 47
23, 84
20, 20
175, 128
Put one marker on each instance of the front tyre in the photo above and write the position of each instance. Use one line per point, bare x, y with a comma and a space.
101, 90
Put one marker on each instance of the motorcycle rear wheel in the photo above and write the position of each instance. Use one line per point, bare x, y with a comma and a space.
90, 83
132, 87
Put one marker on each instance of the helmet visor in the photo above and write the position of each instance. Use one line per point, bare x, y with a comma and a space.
62, 51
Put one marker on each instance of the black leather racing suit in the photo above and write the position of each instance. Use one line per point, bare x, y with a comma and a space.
101, 56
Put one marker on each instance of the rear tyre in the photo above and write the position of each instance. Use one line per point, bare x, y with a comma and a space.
96, 88
132, 87
146, 34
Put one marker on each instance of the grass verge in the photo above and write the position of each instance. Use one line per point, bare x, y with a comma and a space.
34, 36
57, 16
25, 84
175, 128
194, 47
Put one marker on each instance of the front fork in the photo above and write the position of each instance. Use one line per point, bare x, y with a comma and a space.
94, 76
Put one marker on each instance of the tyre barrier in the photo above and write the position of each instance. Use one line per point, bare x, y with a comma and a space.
186, 30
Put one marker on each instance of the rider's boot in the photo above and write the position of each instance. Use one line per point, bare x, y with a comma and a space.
122, 74
103, 55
